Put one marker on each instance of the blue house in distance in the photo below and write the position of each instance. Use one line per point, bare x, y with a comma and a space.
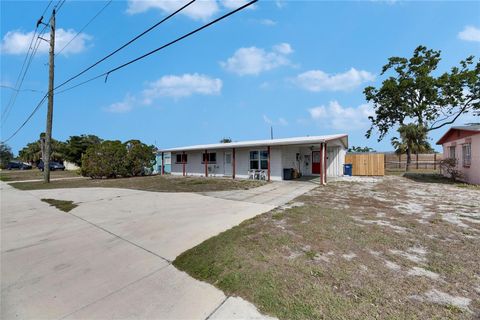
167, 157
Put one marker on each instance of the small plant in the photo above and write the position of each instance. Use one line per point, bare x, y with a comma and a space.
449, 166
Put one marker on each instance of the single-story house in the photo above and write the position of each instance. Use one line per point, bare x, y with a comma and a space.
463, 143
321, 156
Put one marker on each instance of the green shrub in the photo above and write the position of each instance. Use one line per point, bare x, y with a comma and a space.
105, 160
112, 159
139, 157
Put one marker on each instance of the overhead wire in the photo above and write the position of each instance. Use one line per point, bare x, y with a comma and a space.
107, 73
84, 27
124, 45
25, 66
131, 61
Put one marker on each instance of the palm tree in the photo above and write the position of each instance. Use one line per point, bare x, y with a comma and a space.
32, 152
413, 139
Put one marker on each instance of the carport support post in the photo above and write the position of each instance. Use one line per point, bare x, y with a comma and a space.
163, 165
205, 158
322, 181
233, 163
183, 162
268, 163
325, 158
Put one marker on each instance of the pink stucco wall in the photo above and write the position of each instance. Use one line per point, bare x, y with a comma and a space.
472, 173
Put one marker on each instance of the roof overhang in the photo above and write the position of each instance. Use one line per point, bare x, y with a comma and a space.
443, 139
264, 143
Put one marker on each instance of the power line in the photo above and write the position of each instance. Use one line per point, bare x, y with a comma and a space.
85, 26
14, 89
131, 61
161, 47
180, 38
23, 72
28, 119
125, 45
59, 5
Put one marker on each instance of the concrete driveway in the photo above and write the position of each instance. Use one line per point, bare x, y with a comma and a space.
111, 256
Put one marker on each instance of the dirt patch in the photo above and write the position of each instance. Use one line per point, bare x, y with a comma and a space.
386, 247
155, 183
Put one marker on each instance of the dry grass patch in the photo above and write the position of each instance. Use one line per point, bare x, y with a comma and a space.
34, 174
63, 205
352, 251
148, 183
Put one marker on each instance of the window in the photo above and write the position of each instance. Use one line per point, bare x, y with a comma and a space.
228, 158
259, 160
452, 152
253, 160
212, 157
467, 154
263, 160
179, 158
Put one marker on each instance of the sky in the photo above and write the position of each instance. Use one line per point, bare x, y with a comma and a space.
297, 66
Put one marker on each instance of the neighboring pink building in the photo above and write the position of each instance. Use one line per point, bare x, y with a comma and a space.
463, 144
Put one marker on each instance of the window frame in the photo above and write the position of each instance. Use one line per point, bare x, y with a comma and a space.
183, 156
260, 159
454, 153
209, 154
467, 156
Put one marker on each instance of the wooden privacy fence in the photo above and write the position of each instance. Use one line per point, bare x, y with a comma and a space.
425, 161
366, 164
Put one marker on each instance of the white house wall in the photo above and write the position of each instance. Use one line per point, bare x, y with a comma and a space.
280, 157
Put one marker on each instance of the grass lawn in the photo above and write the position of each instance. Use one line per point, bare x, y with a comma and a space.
391, 248
148, 183
33, 174
63, 205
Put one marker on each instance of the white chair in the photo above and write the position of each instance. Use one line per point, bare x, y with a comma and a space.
251, 174
262, 175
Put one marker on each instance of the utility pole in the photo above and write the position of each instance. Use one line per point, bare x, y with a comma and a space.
48, 133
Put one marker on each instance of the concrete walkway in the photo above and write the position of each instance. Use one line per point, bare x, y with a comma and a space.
275, 193
111, 256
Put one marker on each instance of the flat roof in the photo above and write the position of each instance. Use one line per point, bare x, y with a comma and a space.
261, 143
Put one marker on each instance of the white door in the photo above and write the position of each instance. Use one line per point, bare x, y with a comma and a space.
228, 163
332, 162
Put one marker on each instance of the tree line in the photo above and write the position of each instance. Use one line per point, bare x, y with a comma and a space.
97, 158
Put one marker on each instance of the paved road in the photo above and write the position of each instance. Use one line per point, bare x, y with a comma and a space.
111, 256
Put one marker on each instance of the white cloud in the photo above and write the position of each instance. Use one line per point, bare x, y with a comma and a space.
253, 60
268, 22
182, 86
470, 33
199, 10
317, 80
283, 48
280, 121
18, 42
122, 107
338, 117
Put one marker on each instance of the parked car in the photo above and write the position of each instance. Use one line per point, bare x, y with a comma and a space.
53, 166
18, 165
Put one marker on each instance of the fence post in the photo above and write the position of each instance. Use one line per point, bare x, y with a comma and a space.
400, 161
434, 161
417, 160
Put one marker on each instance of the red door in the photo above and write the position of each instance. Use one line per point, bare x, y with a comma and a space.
316, 162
